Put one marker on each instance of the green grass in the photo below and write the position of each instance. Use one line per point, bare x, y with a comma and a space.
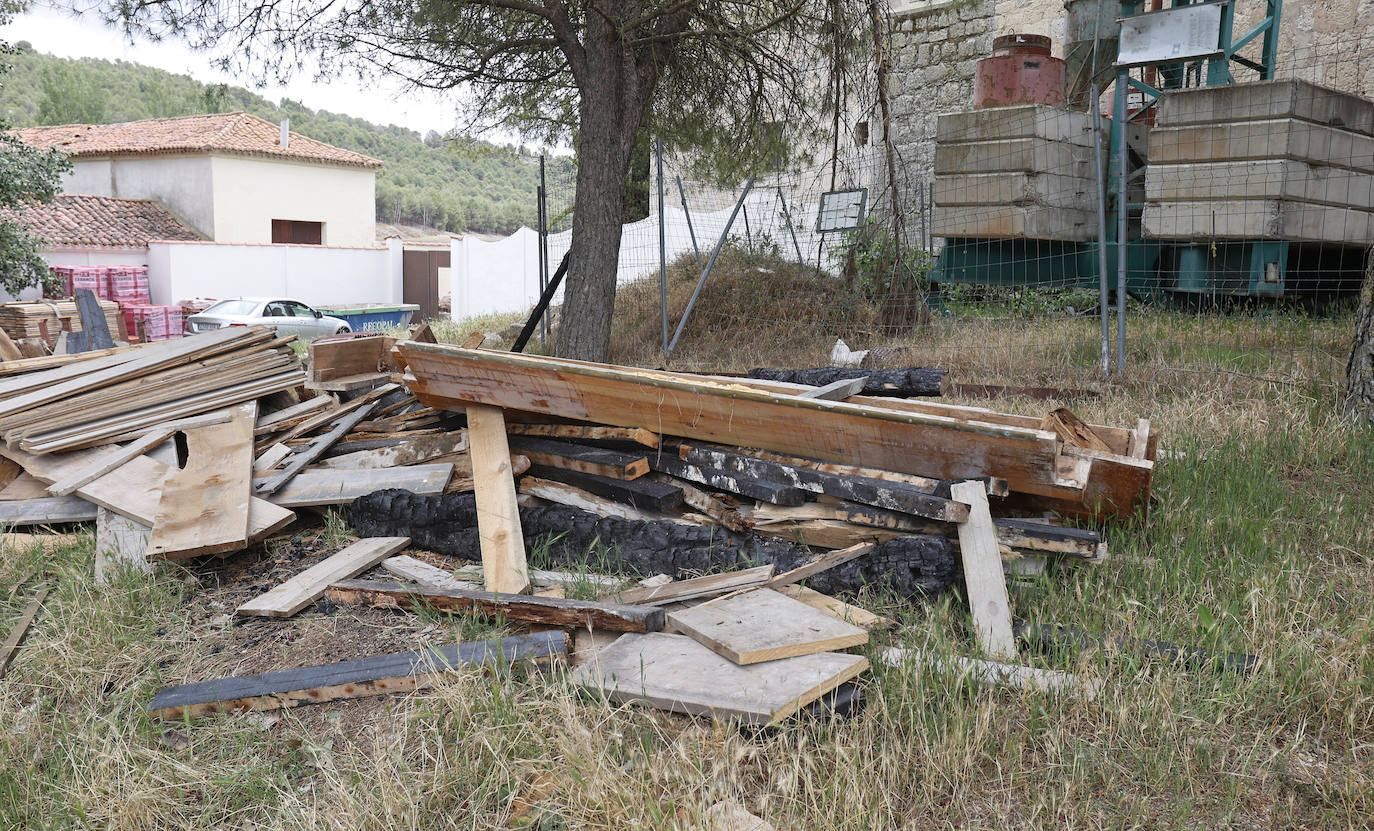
1260, 541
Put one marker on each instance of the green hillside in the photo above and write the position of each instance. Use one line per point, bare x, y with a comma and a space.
454, 186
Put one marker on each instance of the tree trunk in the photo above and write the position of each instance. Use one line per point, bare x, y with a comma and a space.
613, 99
1359, 371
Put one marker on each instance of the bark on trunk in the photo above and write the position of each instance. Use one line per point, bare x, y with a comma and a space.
613, 99
1359, 371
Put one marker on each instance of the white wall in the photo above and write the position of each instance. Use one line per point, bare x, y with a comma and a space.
313, 274
251, 192
183, 184
81, 256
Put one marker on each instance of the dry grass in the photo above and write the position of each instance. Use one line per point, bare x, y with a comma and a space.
1261, 541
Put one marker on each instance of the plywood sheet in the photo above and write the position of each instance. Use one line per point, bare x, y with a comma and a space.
204, 505
763, 625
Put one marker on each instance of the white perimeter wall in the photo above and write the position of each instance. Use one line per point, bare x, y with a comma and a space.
78, 256
313, 274
502, 276
251, 192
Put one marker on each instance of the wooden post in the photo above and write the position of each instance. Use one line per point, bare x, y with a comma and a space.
983, 577
498, 515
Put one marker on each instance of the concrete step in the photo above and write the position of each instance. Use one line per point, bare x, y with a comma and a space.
1014, 222
1257, 219
1012, 188
1032, 155
1264, 179
1024, 121
1264, 100
1279, 138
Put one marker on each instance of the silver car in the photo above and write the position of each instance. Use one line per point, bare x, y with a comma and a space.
286, 316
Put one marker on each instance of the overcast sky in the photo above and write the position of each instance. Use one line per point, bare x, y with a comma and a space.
380, 102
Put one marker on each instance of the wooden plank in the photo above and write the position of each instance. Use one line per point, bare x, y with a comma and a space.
418, 571
8, 351
554, 611
675, 673
822, 563
990, 672
107, 461
983, 577
581, 432
695, 587
378, 675
837, 390
738, 414
305, 588
594, 460
21, 628
576, 497
46, 542
1140, 440
271, 457
311, 488
762, 490
93, 322
269, 422
643, 493
498, 516
25, 486
763, 625
538, 577
894, 496
835, 607
1073, 430
120, 542
822, 533
710, 504
996, 486
203, 420
414, 451
204, 504
312, 451
45, 510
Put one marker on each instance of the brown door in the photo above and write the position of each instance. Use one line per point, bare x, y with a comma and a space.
420, 280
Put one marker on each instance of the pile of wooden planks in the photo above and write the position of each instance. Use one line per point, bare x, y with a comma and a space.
45, 318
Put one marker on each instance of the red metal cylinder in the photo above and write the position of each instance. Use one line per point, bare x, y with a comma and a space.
1020, 71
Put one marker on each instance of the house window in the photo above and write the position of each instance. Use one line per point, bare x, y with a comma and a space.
297, 231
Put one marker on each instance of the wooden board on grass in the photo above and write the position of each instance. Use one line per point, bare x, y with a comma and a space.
399, 672
44, 510
835, 607
763, 625
556, 611
418, 571
675, 673
204, 505
711, 584
985, 582
300, 591
498, 515
120, 542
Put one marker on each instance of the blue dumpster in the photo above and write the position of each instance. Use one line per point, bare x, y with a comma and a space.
372, 317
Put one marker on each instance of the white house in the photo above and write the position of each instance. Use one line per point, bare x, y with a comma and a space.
233, 177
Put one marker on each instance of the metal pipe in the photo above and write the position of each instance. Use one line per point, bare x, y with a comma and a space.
787, 215
1101, 183
706, 272
662, 245
1123, 209
691, 232
543, 251
542, 306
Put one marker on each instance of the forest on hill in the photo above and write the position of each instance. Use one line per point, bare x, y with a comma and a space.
431, 180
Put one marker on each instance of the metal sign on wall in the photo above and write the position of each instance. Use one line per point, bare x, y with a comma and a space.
841, 210
1180, 33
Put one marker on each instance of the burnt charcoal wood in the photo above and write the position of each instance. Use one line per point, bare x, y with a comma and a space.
774, 493
644, 494
894, 496
553, 611
598, 461
1028, 534
914, 565
1049, 636
401, 671
894, 383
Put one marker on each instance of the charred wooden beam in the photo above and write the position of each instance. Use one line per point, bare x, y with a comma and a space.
774, 493
645, 494
895, 383
597, 461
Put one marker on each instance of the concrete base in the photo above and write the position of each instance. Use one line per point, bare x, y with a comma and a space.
1281, 138
1032, 155
1045, 189
1268, 179
1267, 100
1027, 121
1014, 222
1257, 219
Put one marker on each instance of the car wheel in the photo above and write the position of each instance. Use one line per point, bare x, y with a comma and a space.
343, 330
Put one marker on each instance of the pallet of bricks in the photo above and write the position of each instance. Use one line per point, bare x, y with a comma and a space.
735, 491
127, 287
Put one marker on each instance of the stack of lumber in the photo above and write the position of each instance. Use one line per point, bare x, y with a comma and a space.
29, 320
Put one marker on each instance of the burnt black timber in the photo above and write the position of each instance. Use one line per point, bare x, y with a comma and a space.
554, 611
894, 496
1049, 636
1027, 534
644, 494
1085, 537
774, 493
894, 383
377, 675
580, 457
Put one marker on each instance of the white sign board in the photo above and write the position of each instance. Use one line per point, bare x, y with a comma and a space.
841, 210
1180, 33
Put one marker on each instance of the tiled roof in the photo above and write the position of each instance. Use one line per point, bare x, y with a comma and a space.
100, 221
238, 133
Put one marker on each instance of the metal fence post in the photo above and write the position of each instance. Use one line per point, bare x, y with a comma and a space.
662, 246
691, 232
1122, 211
543, 219
787, 216
1102, 290
706, 272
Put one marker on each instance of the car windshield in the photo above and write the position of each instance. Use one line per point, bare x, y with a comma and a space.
232, 307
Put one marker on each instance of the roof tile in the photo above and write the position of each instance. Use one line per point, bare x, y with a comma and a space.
100, 221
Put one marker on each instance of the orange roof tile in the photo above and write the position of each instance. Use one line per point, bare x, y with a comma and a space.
238, 133
100, 222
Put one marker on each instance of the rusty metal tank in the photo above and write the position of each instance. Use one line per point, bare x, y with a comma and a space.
1020, 71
